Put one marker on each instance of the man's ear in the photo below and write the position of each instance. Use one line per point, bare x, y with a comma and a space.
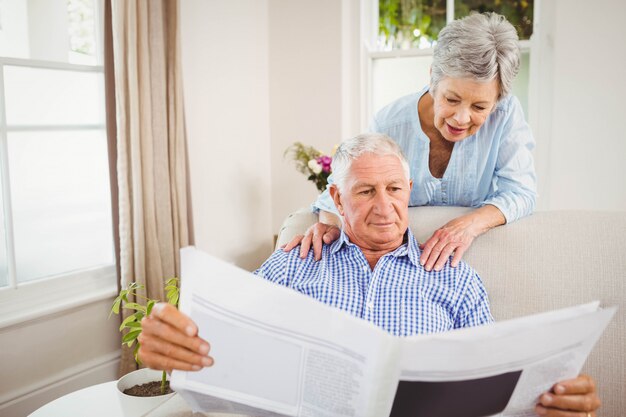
336, 196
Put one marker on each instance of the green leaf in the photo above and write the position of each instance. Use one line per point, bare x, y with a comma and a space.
173, 300
131, 336
134, 324
135, 306
115, 308
149, 306
127, 320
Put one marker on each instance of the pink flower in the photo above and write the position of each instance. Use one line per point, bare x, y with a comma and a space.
325, 162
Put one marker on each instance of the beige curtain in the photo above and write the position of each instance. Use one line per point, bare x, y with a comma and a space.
151, 155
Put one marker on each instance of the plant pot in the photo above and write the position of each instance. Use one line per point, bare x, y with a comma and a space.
138, 406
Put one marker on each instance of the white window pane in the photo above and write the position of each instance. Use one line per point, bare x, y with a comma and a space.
520, 84
393, 78
50, 30
36, 96
61, 202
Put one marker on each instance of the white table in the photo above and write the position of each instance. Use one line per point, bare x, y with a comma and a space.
101, 401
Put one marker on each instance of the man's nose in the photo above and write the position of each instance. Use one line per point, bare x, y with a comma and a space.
382, 204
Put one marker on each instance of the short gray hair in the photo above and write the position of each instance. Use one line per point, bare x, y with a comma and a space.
350, 149
481, 46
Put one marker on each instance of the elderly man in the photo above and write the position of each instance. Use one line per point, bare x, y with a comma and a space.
372, 271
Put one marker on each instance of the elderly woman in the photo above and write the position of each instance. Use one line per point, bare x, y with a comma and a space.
466, 139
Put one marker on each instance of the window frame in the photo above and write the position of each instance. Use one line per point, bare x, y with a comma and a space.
369, 25
31, 300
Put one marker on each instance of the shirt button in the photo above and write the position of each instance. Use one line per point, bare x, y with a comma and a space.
370, 305
366, 268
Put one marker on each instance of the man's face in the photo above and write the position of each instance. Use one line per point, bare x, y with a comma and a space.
374, 202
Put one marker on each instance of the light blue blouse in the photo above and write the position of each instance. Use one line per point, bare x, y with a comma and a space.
494, 166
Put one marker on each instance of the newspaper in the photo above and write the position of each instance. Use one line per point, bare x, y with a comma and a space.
280, 353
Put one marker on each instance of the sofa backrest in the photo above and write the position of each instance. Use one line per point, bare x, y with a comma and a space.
549, 260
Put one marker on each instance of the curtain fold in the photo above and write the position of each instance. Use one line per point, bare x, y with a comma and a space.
151, 154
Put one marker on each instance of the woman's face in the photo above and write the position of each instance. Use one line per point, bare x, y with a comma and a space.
461, 106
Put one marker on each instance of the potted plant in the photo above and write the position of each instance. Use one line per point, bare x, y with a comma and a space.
144, 389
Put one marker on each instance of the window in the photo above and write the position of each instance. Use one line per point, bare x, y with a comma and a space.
55, 216
402, 34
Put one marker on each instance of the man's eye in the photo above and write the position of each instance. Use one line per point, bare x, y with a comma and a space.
394, 189
365, 192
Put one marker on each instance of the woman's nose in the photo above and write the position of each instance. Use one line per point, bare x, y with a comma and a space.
462, 116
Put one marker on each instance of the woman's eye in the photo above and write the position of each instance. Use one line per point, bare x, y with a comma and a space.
479, 108
452, 100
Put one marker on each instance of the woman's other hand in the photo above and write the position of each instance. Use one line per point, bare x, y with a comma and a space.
457, 236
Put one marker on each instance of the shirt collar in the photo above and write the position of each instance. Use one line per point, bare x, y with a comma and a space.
408, 248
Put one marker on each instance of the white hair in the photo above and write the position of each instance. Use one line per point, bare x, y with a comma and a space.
481, 46
351, 149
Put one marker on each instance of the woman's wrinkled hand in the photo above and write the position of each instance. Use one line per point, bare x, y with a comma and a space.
572, 398
315, 236
456, 237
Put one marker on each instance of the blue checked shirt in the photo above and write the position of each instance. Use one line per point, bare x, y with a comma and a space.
399, 295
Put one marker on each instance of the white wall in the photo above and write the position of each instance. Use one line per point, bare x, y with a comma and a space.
579, 120
258, 76
55, 355
226, 89
305, 93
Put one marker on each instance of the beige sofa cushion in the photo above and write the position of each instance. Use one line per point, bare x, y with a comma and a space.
542, 262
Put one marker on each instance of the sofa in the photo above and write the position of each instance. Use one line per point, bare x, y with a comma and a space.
546, 261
